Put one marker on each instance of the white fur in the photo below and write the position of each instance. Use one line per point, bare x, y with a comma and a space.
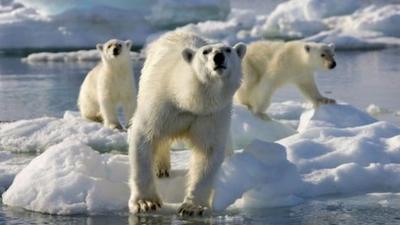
182, 96
109, 85
269, 65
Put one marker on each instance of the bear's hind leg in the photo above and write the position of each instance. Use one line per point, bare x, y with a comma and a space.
163, 159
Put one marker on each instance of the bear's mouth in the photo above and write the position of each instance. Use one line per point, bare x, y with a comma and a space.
219, 67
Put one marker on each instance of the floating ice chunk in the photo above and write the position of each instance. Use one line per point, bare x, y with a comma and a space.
74, 56
10, 165
383, 19
71, 178
168, 13
348, 40
298, 19
375, 110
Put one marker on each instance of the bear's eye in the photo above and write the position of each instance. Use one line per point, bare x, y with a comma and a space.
228, 50
206, 51
323, 55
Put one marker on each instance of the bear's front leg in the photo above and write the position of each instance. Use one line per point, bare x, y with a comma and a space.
209, 139
108, 110
144, 196
309, 89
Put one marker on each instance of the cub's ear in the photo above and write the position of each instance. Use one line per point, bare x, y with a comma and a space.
128, 44
188, 55
331, 46
307, 48
240, 49
99, 47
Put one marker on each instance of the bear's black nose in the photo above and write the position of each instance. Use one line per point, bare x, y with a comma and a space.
332, 65
219, 58
116, 51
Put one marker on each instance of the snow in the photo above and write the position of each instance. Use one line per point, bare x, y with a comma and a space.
337, 149
73, 56
36, 135
348, 24
66, 23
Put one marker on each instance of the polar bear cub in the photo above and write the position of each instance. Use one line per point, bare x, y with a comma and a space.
269, 65
186, 91
109, 85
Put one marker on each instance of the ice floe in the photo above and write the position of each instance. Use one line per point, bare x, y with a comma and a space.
338, 149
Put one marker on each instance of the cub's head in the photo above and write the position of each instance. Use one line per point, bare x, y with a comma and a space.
321, 55
114, 49
216, 61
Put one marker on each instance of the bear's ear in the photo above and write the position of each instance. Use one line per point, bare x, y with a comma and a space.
240, 49
307, 48
99, 47
188, 54
128, 44
331, 46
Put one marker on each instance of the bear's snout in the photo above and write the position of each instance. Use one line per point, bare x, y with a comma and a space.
219, 59
116, 51
332, 64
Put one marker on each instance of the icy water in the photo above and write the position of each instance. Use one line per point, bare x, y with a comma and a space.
35, 90
361, 78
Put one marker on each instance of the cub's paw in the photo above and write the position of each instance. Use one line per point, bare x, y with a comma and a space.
325, 101
144, 205
190, 209
116, 127
161, 173
264, 116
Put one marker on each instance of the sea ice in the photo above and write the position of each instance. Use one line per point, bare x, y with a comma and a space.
338, 150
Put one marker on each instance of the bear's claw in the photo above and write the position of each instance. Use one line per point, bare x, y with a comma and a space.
189, 209
162, 173
146, 206
326, 101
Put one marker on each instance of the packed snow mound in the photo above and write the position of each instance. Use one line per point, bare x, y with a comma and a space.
245, 127
298, 19
37, 135
260, 165
323, 117
66, 23
344, 150
72, 178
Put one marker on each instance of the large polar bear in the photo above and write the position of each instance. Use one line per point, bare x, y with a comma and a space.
269, 65
186, 91
109, 85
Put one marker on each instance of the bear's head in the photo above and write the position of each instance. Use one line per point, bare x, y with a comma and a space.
320, 55
114, 50
216, 61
